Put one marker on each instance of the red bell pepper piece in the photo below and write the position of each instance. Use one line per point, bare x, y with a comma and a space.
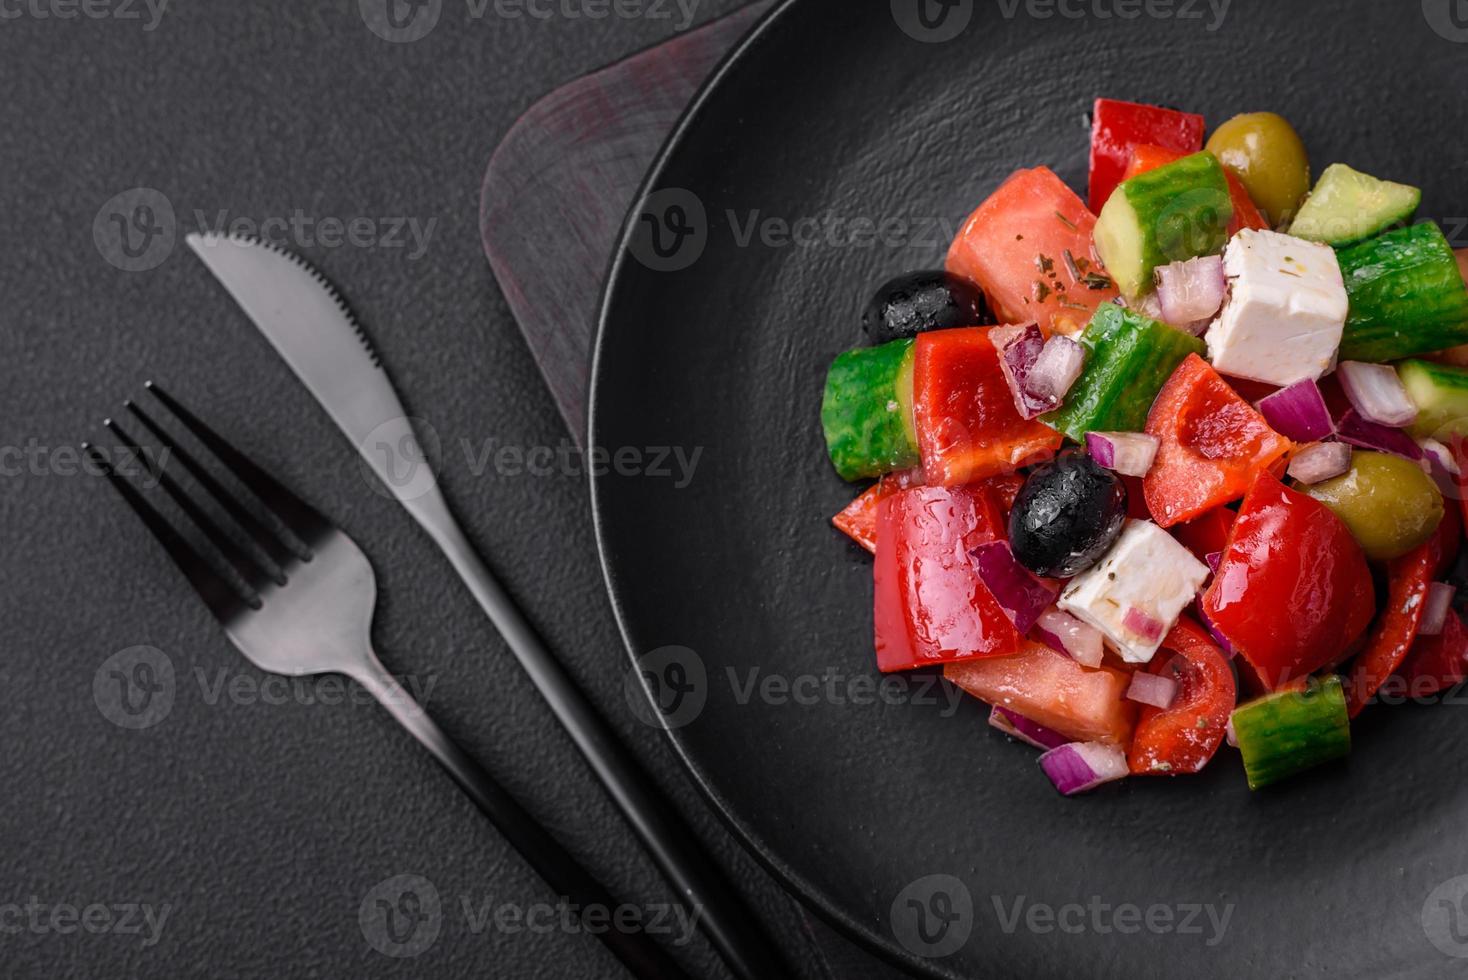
968, 428
859, 520
1015, 246
1246, 212
1435, 663
1213, 444
1407, 579
1183, 737
931, 606
1293, 590
1207, 535
1117, 127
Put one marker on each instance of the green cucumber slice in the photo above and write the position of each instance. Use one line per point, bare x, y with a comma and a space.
1407, 295
1129, 357
1440, 393
1291, 731
1348, 206
866, 411
1170, 214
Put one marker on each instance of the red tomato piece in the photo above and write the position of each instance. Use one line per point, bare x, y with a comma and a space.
1436, 663
968, 428
1246, 212
1051, 689
859, 520
1118, 127
1407, 579
1182, 738
1015, 246
1208, 534
931, 606
1213, 444
1293, 590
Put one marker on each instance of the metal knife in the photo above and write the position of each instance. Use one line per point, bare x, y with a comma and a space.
310, 325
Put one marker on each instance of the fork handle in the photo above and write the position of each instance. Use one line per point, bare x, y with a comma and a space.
730, 924
568, 879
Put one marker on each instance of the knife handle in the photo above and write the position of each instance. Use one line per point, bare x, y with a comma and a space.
730, 925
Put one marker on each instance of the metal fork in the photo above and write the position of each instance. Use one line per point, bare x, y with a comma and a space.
307, 609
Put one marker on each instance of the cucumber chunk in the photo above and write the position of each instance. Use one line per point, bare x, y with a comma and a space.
1170, 214
1440, 393
1129, 357
1407, 295
1290, 731
1348, 206
866, 411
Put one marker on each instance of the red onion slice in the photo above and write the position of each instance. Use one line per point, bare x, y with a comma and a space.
1213, 558
1142, 623
1435, 608
1019, 348
1229, 735
1023, 596
1377, 393
1192, 292
1440, 457
1298, 413
1082, 766
1320, 462
1018, 726
1369, 435
1152, 689
1055, 371
1127, 453
1066, 634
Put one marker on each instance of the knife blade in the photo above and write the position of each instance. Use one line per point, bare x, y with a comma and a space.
313, 329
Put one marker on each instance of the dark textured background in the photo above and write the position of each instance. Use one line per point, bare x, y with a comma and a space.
265, 825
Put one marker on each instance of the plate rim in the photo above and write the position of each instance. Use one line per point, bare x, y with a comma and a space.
863, 935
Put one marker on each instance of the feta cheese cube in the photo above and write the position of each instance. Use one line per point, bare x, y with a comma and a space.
1136, 592
1285, 312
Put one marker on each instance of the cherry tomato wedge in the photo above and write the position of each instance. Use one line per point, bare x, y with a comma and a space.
1182, 738
930, 605
1213, 444
1292, 591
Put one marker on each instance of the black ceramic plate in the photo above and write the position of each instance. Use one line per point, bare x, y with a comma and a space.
898, 814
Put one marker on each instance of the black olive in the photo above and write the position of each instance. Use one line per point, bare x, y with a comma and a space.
1068, 514
921, 301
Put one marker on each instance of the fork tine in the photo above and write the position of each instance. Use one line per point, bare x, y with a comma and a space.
254, 573
221, 597
299, 517
278, 551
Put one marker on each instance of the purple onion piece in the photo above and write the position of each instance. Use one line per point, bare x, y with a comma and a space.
1054, 372
1127, 453
1298, 412
1376, 391
1369, 435
1082, 766
1023, 596
1018, 726
1019, 348
1213, 558
1435, 608
1152, 689
1320, 462
1191, 292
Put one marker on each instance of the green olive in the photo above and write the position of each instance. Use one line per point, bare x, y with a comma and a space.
1269, 157
1388, 502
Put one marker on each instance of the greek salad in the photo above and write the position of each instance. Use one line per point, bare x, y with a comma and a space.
1179, 466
